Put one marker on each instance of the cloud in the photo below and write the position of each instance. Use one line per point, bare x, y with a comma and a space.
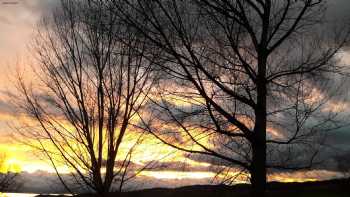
17, 22
182, 166
43, 182
303, 175
339, 9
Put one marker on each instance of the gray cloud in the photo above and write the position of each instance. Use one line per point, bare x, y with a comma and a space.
16, 23
42, 182
339, 9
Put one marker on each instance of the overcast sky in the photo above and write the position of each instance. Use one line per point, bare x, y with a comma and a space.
18, 19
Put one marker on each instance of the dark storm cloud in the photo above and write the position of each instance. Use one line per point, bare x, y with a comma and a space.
340, 138
338, 141
339, 9
339, 12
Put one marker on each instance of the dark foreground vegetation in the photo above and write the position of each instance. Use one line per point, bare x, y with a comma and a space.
332, 188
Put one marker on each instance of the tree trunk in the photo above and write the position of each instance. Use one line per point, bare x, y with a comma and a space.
97, 181
258, 141
109, 176
258, 171
258, 164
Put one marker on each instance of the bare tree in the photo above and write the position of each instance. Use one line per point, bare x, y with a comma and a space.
8, 179
246, 82
91, 81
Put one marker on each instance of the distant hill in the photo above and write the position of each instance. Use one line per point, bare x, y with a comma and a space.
332, 188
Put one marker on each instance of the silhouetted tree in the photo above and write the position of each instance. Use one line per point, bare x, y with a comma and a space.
245, 82
8, 178
91, 81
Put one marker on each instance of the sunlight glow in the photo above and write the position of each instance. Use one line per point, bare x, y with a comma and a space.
178, 174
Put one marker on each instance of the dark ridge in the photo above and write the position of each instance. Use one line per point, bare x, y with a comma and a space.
331, 188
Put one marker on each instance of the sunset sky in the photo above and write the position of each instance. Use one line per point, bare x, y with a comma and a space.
18, 23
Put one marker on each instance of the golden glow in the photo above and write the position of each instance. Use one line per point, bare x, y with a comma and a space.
303, 176
16, 195
12, 165
293, 180
21, 158
178, 174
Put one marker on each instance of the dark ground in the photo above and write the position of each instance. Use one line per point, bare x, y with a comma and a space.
332, 188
